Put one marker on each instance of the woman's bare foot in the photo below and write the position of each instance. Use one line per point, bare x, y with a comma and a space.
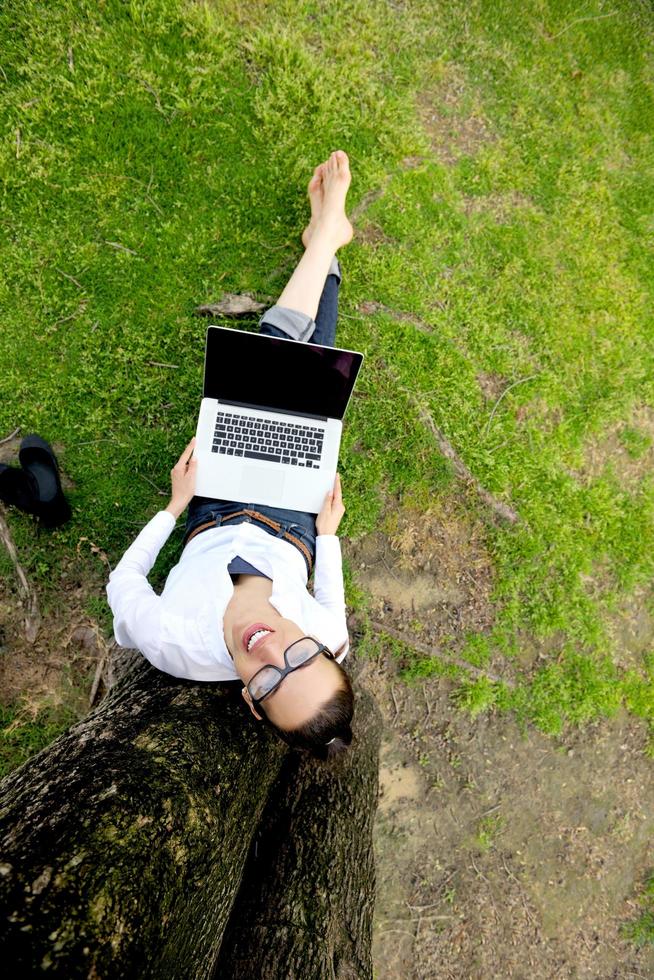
327, 190
315, 192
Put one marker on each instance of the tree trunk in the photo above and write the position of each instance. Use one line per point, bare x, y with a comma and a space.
304, 910
122, 845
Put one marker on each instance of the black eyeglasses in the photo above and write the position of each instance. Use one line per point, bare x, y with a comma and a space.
299, 654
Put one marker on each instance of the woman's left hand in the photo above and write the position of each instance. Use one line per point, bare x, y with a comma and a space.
182, 478
332, 511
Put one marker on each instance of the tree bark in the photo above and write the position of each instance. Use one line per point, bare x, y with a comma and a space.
304, 910
122, 844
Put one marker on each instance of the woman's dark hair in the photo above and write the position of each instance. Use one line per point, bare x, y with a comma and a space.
328, 733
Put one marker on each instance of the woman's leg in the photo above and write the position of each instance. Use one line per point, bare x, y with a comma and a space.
327, 315
297, 307
324, 332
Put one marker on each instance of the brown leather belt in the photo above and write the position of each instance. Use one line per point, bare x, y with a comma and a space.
265, 520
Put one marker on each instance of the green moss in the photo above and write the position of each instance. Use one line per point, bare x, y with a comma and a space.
641, 929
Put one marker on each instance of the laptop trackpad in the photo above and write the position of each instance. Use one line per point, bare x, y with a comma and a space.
257, 478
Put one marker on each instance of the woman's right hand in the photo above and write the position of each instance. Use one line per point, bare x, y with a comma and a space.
332, 511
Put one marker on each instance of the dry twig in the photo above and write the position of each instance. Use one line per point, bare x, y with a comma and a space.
528, 912
580, 20
428, 651
122, 248
397, 710
521, 381
27, 593
72, 278
99, 670
64, 319
162, 493
461, 470
10, 437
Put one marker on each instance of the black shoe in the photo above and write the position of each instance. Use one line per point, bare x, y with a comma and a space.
40, 463
18, 488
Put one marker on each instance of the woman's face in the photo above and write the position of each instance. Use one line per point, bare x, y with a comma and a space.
257, 635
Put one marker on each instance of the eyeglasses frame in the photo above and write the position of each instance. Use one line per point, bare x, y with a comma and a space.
287, 668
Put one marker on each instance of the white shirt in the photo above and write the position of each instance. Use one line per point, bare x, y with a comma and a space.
181, 630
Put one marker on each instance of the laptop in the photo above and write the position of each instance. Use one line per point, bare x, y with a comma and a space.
271, 418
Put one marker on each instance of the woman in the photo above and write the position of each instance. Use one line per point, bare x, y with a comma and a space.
237, 605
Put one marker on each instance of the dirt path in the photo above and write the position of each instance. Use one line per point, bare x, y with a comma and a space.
503, 855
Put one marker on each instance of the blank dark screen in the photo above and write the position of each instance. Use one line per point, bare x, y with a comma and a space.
284, 375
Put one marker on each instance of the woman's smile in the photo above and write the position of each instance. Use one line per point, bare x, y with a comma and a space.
254, 635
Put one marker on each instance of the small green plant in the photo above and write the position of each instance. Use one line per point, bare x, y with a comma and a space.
641, 930
449, 895
476, 696
489, 828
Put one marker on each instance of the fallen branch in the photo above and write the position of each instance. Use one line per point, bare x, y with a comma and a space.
99, 671
497, 506
27, 593
430, 652
10, 437
231, 304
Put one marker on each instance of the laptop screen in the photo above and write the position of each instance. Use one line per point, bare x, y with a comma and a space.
283, 375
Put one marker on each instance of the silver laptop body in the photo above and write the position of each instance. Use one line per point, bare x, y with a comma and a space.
270, 421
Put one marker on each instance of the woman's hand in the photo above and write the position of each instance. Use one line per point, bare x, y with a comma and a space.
332, 511
182, 477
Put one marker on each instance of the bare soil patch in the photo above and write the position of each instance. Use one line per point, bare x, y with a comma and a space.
452, 134
502, 207
492, 385
68, 644
631, 628
372, 234
612, 450
428, 573
65, 652
501, 853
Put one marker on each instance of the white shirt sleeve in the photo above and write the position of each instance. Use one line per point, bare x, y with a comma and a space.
136, 607
328, 589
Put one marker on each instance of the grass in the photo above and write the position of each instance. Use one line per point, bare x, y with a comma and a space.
641, 929
21, 738
487, 832
154, 154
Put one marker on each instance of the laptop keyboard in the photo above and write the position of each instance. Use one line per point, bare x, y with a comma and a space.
278, 442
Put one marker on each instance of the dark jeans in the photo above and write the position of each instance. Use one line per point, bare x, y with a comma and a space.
301, 524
